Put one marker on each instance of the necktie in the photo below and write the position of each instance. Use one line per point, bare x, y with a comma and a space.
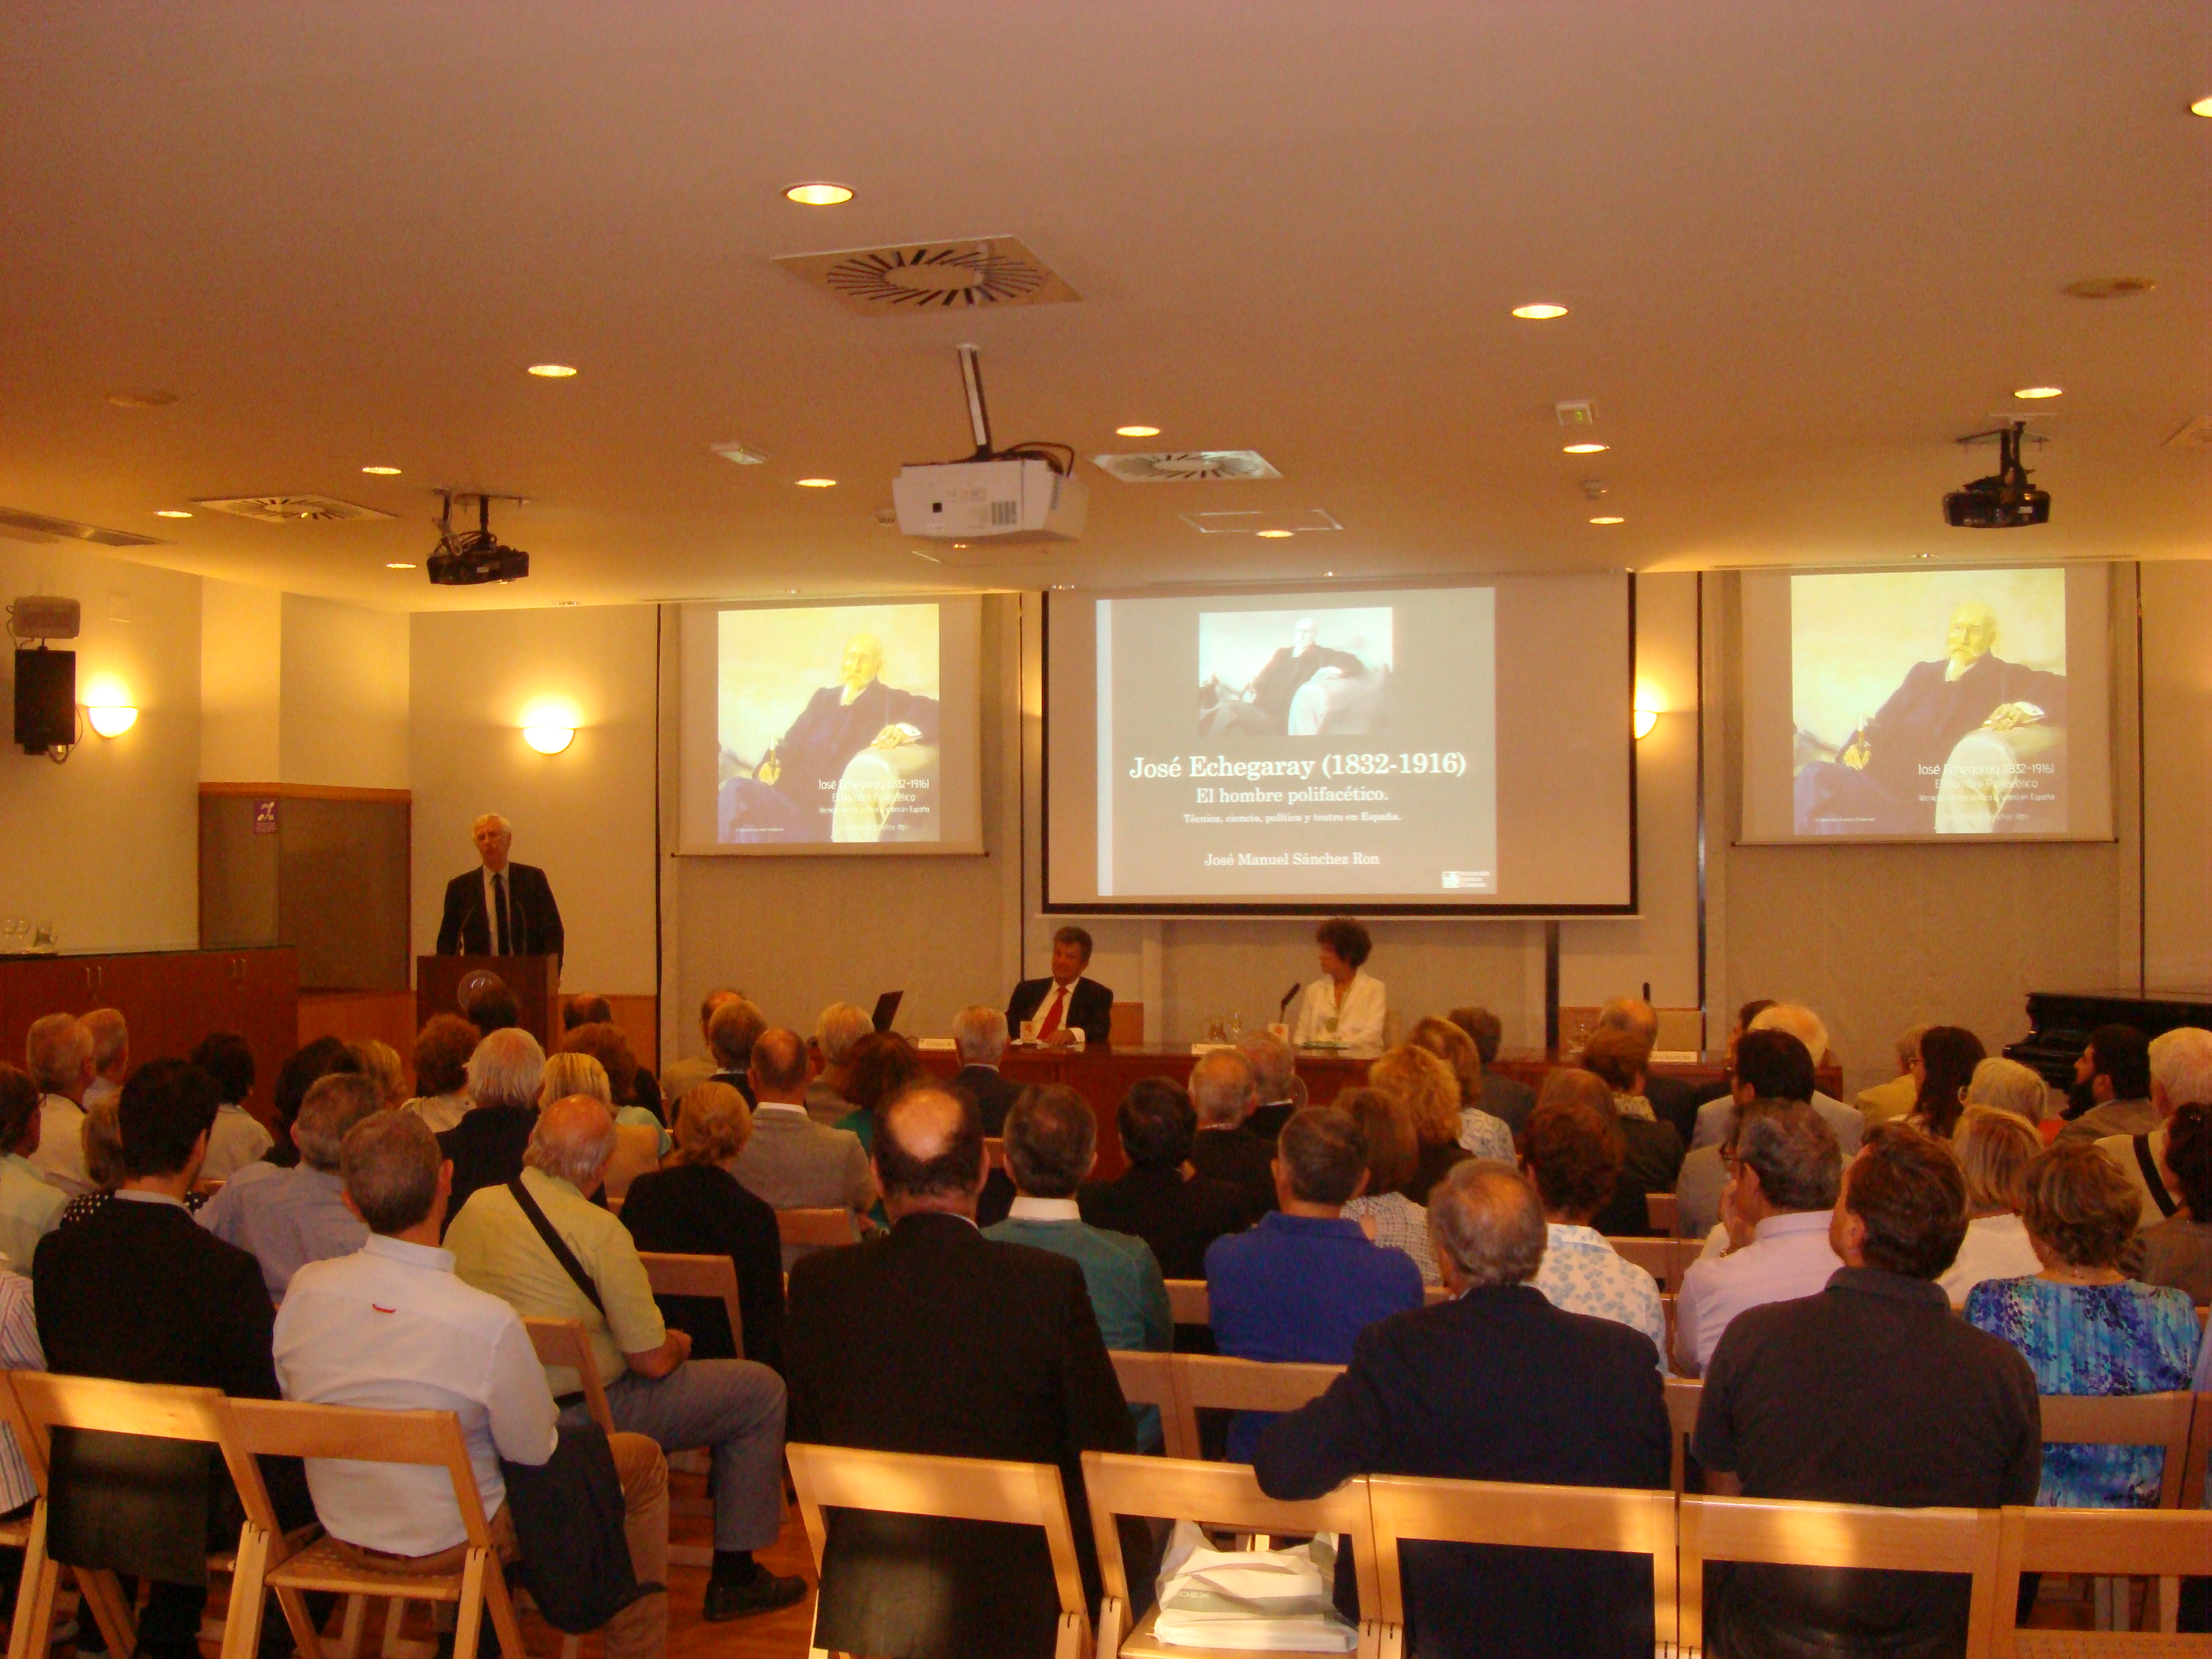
1051, 1022
499, 913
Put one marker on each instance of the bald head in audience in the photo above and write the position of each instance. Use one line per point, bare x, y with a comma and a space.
1633, 1015
778, 1067
573, 1140
929, 1154
1223, 1089
1488, 1225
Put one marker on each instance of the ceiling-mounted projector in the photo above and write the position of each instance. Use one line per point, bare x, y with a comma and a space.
2003, 501
469, 558
1027, 492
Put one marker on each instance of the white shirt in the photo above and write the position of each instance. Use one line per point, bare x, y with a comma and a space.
30, 1208
389, 1327
19, 1352
1044, 1209
60, 1157
1585, 1274
235, 1140
1788, 1256
1357, 1024
1995, 1247
440, 1112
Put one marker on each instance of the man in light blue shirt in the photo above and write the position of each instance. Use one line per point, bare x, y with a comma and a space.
289, 1218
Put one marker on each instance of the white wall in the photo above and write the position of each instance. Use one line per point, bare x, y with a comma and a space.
2177, 629
241, 682
106, 846
345, 695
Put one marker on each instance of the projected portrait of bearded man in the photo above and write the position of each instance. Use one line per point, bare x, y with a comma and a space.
1267, 704
789, 794
1883, 781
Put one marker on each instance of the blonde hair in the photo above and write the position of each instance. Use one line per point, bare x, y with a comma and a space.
1456, 1049
1994, 1148
713, 1124
572, 1072
101, 1134
2006, 1085
380, 1061
1425, 1085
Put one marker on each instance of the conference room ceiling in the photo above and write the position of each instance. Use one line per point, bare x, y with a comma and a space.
1804, 245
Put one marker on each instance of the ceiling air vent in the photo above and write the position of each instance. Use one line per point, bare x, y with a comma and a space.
21, 526
1188, 466
289, 509
983, 273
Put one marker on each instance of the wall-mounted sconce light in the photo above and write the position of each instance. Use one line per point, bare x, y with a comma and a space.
1645, 720
111, 720
548, 739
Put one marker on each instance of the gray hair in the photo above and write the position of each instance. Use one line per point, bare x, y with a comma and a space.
333, 1105
390, 1161
574, 1072
110, 1037
2181, 1064
1323, 1155
732, 1033
842, 1026
1486, 1219
979, 1034
2008, 1086
573, 1142
1221, 1088
506, 1069
1052, 1136
482, 818
1908, 1045
55, 1052
1794, 1154
1273, 1064
1799, 1022
1631, 1014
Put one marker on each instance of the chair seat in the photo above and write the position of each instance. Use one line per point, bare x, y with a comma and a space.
2108, 1645
320, 1567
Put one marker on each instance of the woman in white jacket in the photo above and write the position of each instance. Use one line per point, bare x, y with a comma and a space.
1345, 1007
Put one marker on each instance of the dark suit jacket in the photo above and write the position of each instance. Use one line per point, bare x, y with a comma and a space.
1507, 1097
465, 930
1177, 1217
1090, 1007
992, 1094
830, 731
1241, 1159
1651, 1163
934, 1339
1927, 715
486, 1146
699, 1209
1675, 1102
1267, 1121
1499, 1385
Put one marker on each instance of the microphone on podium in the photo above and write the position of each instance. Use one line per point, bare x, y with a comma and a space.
1283, 1007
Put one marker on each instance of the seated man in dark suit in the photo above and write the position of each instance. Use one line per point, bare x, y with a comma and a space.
1068, 1007
1497, 1384
978, 1036
140, 1292
1503, 1096
486, 1146
1159, 1198
1275, 1079
1223, 1093
731, 1033
934, 1339
1673, 1101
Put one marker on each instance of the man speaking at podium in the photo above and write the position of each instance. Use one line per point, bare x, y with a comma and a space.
501, 909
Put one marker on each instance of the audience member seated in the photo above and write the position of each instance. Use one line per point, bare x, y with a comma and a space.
1481, 1132
1844, 1122
881, 1067
2084, 1327
734, 1406
1052, 1145
1994, 1150
586, 1011
936, 1340
2180, 1075
486, 1146
1223, 1092
1884, 1103
1869, 1392
2179, 1251
58, 1054
1770, 1065
2114, 1073
1772, 1242
2006, 1085
836, 1034
140, 1294
19, 1352
1495, 1385
684, 1075
1651, 1151
978, 1037
1506, 1098
1304, 1283
633, 1095
237, 1139
492, 1007
442, 1049
1274, 1081
1571, 1152
30, 1205
697, 1206
731, 1033
640, 1141
1948, 1055
111, 1053
389, 1327
1347, 1007
101, 1139
1383, 1212
1425, 1087
1744, 1015
295, 1216
791, 1162
325, 1056
1160, 1198
1672, 1100
380, 1061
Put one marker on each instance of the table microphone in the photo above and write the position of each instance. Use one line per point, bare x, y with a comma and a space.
1283, 1007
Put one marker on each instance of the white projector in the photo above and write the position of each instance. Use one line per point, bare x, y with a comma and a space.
1022, 500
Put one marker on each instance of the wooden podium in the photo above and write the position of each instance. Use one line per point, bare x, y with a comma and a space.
535, 980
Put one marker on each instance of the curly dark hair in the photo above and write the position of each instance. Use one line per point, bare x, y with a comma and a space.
882, 1068
2189, 1156
605, 1043
2080, 1206
1948, 1055
1347, 938
442, 1049
1574, 1154
1907, 1189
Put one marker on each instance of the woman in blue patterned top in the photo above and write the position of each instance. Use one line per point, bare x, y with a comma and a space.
2085, 1327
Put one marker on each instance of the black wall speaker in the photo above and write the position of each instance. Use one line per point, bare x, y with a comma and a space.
46, 699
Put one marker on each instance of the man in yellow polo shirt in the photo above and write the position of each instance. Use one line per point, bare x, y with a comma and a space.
732, 1407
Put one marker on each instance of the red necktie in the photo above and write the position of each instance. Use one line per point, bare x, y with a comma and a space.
1052, 1014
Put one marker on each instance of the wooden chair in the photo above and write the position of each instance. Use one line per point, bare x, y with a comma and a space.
1125, 1025
1186, 1302
714, 1277
2200, 1446
637, 1151
1249, 1385
1836, 1535
818, 1229
1667, 1305
1664, 1213
1434, 1294
1222, 1494
1660, 1257
562, 1343
1684, 1396
994, 1152
2163, 1544
2127, 1420
1151, 1379
952, 1488
275, 1428
35, 1601
1535, 1517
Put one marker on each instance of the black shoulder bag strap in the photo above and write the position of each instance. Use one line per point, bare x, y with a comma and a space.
2152, 1178
555, 1243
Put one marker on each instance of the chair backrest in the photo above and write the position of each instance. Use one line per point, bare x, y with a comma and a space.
2126, 1420
1125, 1025
46, 1400
1660, 1257
2200, 1446
1251, 1385
711, 1276
563, 1342
283, 1428
637, 1151
1663, 1211
1535, 1517
1434, 1294
1222, 1494
1151, 1379
818, 1229
1684, 1395
1804, 1534
1186, 1302
2151, 1543
952, 1488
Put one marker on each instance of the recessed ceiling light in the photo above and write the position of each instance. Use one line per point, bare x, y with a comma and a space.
823, 194
1539, 313
1584, 449
2203, 106
398, 564
2031, 391
382, 471
141, 398
1137, 431
2109, 287
1272, 535
1328, 573
1608, 518
552, 371
170, 513
816, 483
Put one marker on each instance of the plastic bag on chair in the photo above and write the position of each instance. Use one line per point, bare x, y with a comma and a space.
1266, 1600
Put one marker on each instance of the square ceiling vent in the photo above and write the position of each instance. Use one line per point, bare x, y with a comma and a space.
289, 509
983, 273
1188, 466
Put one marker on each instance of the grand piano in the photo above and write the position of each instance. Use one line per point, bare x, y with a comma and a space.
2063, 1019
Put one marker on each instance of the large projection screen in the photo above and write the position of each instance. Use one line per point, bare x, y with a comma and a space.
1956, 706
835, 728
1415, 749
